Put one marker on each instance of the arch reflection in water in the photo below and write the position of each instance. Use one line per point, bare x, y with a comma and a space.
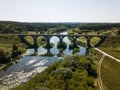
64, 51
67, 51
55, 41
58, 49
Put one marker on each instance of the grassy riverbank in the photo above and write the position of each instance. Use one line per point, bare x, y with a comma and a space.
10, 47
72, 73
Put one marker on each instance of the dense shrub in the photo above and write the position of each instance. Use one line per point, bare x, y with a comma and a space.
72, 73
5, 56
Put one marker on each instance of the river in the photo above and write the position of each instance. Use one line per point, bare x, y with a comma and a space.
25, 68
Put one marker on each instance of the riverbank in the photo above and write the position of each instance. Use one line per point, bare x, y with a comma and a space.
67, 73
20, 78
24, 69
12, 59
11, 47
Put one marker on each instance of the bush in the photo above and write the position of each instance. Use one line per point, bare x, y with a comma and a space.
72, 73
119, 31
16, 51
5, 56
62, 73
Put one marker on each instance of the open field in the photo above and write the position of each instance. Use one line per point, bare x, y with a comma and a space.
110, 72
112, 46
112, 51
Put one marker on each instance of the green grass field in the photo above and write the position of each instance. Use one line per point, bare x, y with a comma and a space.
110, 72
112, 46
112, 51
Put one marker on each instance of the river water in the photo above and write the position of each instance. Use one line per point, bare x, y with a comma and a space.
21, 71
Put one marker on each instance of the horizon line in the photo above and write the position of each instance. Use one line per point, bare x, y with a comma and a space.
54, 21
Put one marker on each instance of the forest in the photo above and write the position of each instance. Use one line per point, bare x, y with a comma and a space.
22, 27
8, 27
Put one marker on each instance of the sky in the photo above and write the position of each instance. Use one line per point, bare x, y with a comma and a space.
60, 10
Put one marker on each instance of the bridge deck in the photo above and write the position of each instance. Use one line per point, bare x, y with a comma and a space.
69, 35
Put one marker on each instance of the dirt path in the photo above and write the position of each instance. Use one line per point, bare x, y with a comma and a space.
99, 66
107, 55
99, 73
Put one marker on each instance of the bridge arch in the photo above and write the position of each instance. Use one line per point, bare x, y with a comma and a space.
41, 40
82, 41
73, 39
102, 39
95, 40
61, 44
29, 39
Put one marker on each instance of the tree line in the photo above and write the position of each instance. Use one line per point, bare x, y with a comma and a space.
23, 27
99, 26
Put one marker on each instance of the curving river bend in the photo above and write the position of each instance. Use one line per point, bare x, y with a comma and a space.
21, 71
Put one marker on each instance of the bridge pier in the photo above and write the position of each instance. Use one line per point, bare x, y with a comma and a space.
61, 40
35, 51
87, 51
75, 42
88, 45
49, 53
35, 45
88, 42
48, 42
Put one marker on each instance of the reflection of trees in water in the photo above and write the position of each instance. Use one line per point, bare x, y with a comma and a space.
61, 51
76, 50
62, 45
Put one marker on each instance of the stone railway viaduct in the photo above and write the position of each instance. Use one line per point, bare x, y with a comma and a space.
48, 36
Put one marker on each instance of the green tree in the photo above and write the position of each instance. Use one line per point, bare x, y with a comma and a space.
5, 56
119, 31
15, 51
